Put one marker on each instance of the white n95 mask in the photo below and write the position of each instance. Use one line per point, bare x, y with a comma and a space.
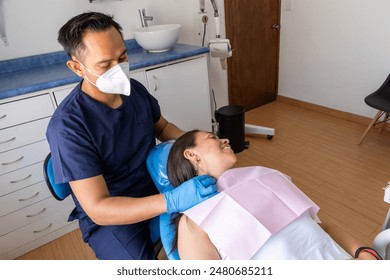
115, 80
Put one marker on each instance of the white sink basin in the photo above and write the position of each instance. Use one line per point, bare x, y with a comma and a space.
157, 38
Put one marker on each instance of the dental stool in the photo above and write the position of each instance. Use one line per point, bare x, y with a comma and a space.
63, 190
59, 191
156, 163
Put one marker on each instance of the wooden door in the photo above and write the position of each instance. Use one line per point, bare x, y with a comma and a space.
253, 29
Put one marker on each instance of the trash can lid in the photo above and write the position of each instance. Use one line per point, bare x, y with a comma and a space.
231, 110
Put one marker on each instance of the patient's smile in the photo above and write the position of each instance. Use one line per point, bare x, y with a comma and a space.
226, 147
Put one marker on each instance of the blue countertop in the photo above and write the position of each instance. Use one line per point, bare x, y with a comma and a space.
34, 73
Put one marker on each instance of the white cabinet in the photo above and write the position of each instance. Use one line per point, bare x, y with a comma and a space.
22, 135
35, 231
29, 216
25, 110
182, 90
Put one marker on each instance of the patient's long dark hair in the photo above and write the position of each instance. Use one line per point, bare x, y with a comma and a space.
180, 169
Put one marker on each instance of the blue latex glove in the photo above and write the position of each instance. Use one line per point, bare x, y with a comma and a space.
190, 193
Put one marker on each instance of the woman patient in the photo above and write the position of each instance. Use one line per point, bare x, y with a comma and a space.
199, 153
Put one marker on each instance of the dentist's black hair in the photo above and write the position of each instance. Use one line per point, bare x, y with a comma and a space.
70, 36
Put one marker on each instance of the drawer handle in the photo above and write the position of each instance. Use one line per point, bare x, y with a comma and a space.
34, 215
3, 116
31, 197
9, 140
156, 84
39, 231
8, 163
25, 178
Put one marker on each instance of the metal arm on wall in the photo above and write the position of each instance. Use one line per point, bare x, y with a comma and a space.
3, 34
202, 8
219, 48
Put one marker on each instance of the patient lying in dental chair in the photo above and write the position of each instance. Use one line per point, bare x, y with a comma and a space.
258, 214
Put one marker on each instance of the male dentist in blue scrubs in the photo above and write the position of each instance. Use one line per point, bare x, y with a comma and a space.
99, 138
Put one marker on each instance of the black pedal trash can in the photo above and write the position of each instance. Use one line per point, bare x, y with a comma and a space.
231, 125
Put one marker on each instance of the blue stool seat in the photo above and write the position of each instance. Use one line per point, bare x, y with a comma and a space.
59, 191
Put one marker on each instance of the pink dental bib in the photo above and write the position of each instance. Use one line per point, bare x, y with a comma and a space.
253, 204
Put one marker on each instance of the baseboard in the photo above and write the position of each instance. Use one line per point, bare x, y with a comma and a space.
328, 111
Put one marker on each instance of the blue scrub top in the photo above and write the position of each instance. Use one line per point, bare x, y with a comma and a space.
88, 138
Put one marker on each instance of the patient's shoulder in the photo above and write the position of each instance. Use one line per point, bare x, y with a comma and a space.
188, 228
193, 242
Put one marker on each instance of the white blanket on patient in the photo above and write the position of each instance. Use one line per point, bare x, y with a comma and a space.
303, 239
254, 204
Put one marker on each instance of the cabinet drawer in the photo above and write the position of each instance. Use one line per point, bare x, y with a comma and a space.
25, 110
24, 156
33, 213
21, 178
23, 198
60, 95
34, 231
22, 135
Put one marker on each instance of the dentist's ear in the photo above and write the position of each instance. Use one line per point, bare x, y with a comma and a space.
75, 67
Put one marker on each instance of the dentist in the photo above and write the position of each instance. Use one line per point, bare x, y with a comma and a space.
99, 138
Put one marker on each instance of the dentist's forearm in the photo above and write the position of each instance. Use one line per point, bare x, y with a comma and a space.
127, 210
166, 131
171, 131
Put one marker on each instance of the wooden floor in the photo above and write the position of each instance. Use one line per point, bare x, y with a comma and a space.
321, 154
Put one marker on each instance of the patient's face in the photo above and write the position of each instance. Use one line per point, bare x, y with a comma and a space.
216, 155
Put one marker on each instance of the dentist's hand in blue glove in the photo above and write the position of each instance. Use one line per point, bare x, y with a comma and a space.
190, 193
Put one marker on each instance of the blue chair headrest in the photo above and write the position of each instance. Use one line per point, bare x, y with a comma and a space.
156, 163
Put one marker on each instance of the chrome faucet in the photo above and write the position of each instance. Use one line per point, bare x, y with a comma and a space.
144, 18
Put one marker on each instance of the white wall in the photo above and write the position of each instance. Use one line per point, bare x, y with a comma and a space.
335, 52
32, 26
